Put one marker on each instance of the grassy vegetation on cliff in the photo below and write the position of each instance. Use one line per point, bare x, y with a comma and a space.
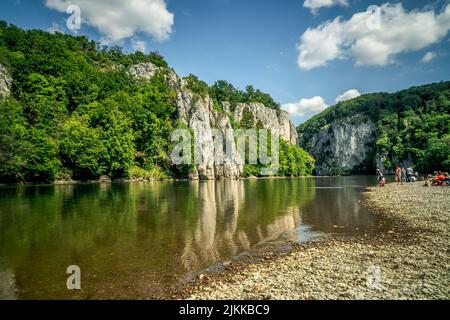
413, 123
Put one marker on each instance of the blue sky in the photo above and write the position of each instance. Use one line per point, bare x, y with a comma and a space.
257, 42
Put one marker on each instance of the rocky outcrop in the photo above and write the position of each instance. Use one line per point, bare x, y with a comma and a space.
345, 146
144, 70
148, 70
5, 81
200, 115
268, 118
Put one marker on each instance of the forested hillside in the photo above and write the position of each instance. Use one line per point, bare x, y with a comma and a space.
74, 111
411, 127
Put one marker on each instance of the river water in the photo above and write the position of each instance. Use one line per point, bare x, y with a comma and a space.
136, 240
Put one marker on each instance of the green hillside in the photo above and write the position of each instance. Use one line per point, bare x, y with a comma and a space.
410, 124
74, 111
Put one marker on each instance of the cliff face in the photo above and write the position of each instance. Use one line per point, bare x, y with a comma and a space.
5, 81
202, 118
267, 118
344, 146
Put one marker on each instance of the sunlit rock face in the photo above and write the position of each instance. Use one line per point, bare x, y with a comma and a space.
5, 81
200, 115
345, 146
267, 118
144, 70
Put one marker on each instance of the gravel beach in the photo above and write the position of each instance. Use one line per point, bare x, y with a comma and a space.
410, 260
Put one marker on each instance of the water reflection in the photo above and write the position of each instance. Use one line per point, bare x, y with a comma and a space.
134, 240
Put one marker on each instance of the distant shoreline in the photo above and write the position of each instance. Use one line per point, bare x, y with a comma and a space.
142, 180
117, 181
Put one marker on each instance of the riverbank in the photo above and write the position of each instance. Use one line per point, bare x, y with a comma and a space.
107, 180
408, 261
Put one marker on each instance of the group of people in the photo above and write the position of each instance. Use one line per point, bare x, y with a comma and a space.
440, 179
402, 175
405, 175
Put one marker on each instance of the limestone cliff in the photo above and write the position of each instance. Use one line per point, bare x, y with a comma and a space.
200, 115
344, 146
267, 118
5, 81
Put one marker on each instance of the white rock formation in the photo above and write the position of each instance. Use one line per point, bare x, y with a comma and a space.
5, 81
202, 118
276, 120
344, 146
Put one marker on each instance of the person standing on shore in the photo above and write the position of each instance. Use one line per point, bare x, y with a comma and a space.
381, 179
398, 175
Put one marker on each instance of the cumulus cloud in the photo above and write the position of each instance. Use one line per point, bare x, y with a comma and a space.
121, 19
315, 5
139, 45
428, 57
311, 107
306, 107
371, 44
348, 95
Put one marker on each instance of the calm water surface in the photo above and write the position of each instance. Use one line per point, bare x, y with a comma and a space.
135, 240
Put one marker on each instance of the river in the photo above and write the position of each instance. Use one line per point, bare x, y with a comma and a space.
136, 240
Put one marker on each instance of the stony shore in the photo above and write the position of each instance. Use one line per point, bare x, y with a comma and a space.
408, 261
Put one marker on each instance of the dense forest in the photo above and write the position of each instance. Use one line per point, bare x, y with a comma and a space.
75, 112
411, 124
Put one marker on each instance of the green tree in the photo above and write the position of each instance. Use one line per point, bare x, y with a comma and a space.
42, 162
82, 148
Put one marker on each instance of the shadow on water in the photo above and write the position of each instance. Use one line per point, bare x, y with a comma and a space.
135, 240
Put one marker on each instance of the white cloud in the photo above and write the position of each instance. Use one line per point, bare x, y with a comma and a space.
139, 45
399, 31
55, 27
121, 19
320, 45
306, 107
428, 57
314, 5
348, 95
